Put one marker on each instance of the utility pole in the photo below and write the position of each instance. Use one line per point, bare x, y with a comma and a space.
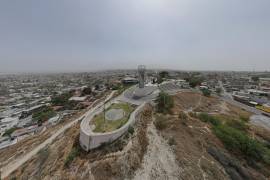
104, 111
164, 104
104, 118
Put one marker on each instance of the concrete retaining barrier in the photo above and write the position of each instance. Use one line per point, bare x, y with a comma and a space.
90, 140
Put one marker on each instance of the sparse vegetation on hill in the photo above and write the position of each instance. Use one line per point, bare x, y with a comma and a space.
232, 133
71, 156
187, 138
160, 122
164, 103
236, 140
206, 92
230, 140
209, 119
183, 118
237, 124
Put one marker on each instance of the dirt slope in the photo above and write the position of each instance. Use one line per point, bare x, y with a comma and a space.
189, 140
199, 153
159, 161
116, 161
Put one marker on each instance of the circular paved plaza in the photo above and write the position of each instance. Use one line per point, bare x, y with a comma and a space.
114, 114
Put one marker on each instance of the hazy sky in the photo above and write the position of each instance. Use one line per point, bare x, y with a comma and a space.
81, 35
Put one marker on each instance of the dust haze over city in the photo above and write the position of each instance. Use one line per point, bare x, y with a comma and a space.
88, 35
145, 89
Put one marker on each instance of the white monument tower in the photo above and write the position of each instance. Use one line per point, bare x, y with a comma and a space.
141, 72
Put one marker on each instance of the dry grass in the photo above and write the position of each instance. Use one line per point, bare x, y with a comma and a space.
192, 137
190, 141
196, 101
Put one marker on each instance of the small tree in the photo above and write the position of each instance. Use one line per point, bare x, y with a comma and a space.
9, 131
62, 99
255, 78
206, 92
96, 87
159, 80
87, 91
194, 81
164, 102
163, 74
218, 91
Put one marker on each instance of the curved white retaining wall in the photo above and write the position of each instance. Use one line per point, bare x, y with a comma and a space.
90, 140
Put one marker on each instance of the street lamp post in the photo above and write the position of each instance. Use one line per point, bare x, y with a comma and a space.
104, 111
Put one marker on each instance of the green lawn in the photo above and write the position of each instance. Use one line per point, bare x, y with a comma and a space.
107, 125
